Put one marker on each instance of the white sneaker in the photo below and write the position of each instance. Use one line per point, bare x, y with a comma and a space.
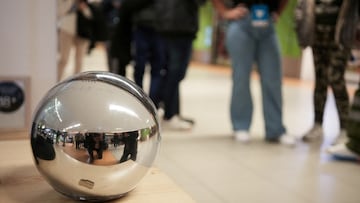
242, 136
160, 113
315, 133
175, 123
288, 140
341, 138
340, 151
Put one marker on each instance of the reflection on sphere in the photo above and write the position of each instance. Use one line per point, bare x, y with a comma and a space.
95, 136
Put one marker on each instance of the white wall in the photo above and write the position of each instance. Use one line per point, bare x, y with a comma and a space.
28, 43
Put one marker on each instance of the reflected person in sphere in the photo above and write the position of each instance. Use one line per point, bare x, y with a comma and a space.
130, 140
116, 140
94, 141
64, 136
78, 140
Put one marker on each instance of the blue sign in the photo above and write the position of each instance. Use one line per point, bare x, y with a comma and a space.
11, 97
260, 15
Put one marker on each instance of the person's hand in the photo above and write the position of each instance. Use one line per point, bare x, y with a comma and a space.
82, 5
236, 13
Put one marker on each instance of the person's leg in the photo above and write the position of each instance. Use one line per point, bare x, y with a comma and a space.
157, 62
90, 150
179, 51
338, 85
121, 64
350, 149
338, 62
126, 151
321, 51
270, 70
100, 151
81, 46
65, 42
321, 83
133, 149
240, 45
322, 56
108, 54
141, 42
321, 65
353, 124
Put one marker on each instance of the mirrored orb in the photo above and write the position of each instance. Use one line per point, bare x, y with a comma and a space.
94, 136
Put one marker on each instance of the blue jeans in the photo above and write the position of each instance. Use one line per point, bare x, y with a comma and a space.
149, 48
248, 45
178, 51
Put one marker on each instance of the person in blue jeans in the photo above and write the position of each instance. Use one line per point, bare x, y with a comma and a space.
251, 38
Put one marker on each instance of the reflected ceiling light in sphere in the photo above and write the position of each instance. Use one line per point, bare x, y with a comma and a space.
100, 142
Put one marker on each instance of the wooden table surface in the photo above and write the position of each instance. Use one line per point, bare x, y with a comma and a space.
21, 182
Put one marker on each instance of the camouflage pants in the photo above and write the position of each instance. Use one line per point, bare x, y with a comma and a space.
330, 64
353, 125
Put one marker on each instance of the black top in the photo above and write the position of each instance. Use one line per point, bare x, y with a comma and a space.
273, 4
326, 11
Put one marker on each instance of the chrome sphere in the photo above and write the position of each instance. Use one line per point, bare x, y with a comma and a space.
95, 136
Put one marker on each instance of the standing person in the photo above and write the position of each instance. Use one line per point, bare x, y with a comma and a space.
94, 141
74, 23
121, 41
347, 35
78, 140
149, 47
251, 37
330, 60
130, 140
177, 23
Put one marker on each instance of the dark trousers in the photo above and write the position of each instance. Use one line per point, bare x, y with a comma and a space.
330, 65
98, 150
130, 148
149, 48
178, 51
115, 64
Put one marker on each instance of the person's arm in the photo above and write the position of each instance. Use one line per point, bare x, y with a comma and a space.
230, 13
85, 9
63, 7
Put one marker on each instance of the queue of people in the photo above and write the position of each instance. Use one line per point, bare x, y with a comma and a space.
164, 41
